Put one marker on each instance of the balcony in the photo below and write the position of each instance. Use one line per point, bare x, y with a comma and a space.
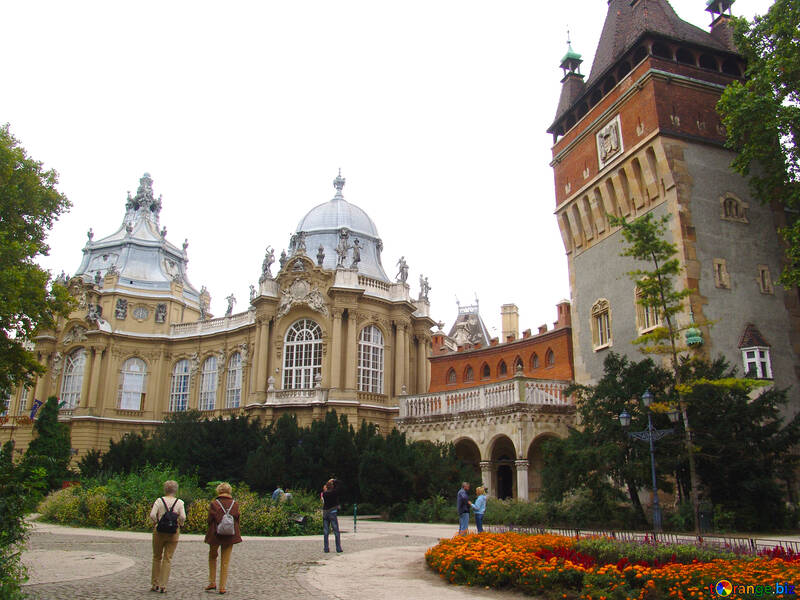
520, 390
212, 325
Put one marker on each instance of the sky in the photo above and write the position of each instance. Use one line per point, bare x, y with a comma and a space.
243, 112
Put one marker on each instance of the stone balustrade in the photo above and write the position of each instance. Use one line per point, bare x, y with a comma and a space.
212, 325
486, 397
305, 396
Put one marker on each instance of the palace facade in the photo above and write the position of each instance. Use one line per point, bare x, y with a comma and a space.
328, 330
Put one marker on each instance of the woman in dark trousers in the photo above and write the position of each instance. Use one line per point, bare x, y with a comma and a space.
330, 513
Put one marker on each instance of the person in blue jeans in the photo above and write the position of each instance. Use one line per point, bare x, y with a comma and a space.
330, 514
462, 506
479, 506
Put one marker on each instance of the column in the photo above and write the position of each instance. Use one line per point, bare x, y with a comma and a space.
407, 360
486, 478
261, 367
421, 366
94, 384
399, 363
351, 358
522, 479
336, 350
255, 359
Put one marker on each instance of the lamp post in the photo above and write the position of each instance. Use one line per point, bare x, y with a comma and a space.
651, 435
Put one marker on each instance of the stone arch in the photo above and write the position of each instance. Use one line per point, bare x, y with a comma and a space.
502, 369
469, 454
535, 458
503, 455
486, 371
469, 373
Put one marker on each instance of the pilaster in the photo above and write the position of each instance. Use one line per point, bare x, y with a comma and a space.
522, 478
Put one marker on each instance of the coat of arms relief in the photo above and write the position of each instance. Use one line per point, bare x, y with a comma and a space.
301, 291
609, 142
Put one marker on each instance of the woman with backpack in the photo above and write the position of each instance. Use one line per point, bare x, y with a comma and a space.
167, 514
223, 531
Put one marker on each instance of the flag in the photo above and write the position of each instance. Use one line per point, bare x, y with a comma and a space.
35, 408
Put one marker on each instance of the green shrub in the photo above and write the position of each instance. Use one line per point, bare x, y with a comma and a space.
62, 506
605, 550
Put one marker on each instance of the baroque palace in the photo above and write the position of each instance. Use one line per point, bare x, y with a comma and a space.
329, 330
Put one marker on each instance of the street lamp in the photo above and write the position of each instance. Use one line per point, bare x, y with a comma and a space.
651, 435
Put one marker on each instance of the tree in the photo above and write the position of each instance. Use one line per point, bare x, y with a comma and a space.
762, 115
51, 448
601, 453
29, 205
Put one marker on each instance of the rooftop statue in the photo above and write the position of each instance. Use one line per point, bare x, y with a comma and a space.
402, 273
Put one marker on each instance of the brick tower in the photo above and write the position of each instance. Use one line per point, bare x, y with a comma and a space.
641, 134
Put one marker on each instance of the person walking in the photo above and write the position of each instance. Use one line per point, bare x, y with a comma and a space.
462, 506
168, 514
479, 506
223, 532
277, 494
330, 514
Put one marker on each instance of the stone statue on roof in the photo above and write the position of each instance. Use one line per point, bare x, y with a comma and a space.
342, 248
424, 288
266, 266
402, 273
356, 254
231, 301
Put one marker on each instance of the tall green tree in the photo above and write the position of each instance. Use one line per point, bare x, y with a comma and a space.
762, 115
29, 205
51, 446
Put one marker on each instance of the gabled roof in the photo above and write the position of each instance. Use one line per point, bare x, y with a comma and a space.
469, 327
752, 337
625, 24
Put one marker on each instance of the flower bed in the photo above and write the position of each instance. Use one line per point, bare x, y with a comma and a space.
560, 567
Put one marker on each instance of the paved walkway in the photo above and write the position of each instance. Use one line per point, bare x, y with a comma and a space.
382, 561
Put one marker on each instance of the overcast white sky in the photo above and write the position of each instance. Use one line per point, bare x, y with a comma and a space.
242, 112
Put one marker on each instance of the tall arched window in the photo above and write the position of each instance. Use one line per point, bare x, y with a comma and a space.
370, 360
550, 358
486, 372
535, 361
132, 384
469, 374
451, 376
302, 355
233, 392
23, 400
502, 369
179, 387
72, 382
208, 384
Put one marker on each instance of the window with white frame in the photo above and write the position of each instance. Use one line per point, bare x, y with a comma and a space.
72, 380
23, 400
370, 360
757, 362
302, 355
208, 384
132, 384
179, 386
601, 324
233, 391
646, 316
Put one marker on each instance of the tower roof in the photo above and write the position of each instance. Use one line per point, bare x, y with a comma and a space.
469, 327
628, 21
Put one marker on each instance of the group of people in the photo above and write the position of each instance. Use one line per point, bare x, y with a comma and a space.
169, 514
464, 505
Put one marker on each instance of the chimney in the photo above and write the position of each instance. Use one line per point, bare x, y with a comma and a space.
543, 328
509, 315
526, 334
564, 314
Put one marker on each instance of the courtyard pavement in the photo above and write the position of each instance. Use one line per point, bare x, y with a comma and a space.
381, 561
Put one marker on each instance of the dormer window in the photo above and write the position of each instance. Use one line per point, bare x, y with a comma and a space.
757, 363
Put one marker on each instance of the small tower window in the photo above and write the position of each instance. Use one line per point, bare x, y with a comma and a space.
733, 209
502, 369
550, 358
757, 363
721, 277
451, 377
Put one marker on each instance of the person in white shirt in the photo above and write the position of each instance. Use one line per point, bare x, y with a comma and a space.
165, 542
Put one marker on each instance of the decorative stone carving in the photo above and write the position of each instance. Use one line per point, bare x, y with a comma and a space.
342, 248
94, 313
320, 255
58, 364
194, 365
301, 292
75, 334
266, 266
297, 244
424, 288
121, 310
161, 312
609, 142
185, 244
97, 278
141, 312
90, 234
252, 293
356, 254
243, 348
231, 301
298, 266
221, 365
112, 271
402, 272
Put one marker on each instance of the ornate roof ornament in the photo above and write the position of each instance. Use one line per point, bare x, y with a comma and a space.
338, 183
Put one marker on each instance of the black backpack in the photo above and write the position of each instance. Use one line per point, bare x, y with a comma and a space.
168, 523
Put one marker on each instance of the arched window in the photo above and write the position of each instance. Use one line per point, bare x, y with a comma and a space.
302, 355
451, 376
601, 324
179, 387
370, 360
23, 400
486, 372
233, 392
208, 384
518, 364
132, 384
535, 361
550, 358
72, 382
469, 374
502, 369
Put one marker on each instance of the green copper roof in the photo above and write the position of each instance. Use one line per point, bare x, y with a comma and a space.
570, 55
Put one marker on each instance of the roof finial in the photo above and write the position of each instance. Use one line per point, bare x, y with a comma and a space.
569, 43
338, 183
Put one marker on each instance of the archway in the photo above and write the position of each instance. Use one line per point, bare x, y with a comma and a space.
469, 454
503, 455
536, 464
